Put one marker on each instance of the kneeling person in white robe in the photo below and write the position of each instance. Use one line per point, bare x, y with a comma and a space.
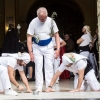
77, 64
13, 62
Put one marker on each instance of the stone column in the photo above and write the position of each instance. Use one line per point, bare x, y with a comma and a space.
98, 17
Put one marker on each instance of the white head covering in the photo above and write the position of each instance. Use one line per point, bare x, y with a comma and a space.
68, 58
21, 56
88, 31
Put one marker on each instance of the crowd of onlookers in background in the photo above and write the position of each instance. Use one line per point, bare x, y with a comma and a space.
12, 44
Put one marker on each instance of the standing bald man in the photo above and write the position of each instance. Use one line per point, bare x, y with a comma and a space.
40, 29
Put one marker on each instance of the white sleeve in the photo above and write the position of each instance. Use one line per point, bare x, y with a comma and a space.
30, 29
62, 67
55, 28
83, 37
20, 68
12, 62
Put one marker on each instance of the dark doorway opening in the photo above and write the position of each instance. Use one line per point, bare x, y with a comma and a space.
69, 18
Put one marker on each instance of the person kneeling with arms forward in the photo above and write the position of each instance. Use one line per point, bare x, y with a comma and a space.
13, 62
82, 70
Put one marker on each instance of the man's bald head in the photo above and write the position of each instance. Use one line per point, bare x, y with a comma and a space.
42, 14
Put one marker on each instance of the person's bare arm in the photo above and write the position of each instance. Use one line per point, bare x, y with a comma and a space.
49, 89
80, 40
80, 78
12, 78
62, 44
57, 39
29, 45
25, 81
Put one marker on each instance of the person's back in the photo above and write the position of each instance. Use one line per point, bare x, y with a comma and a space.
5, 61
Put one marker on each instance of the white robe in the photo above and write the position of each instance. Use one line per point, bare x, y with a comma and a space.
79, 63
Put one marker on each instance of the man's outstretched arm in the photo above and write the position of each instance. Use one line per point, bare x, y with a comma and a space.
25, 81
57, 74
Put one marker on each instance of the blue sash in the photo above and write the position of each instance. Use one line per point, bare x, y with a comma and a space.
42, 42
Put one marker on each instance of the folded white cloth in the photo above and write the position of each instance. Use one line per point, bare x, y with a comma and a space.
71, 58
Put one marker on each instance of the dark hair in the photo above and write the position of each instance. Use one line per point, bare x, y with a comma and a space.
67, 34
11, 25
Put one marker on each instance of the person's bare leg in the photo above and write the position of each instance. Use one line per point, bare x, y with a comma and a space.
14, 73
30, 72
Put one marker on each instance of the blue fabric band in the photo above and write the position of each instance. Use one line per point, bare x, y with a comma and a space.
42, 42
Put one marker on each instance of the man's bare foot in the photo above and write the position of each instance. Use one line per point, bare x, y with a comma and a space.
75, 90
1, 92
29, 91
49, 90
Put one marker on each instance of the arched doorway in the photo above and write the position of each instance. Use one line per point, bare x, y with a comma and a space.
69, 18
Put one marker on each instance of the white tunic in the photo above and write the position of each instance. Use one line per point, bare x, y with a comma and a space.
86, 39
75, 67
10, 61
41, 29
